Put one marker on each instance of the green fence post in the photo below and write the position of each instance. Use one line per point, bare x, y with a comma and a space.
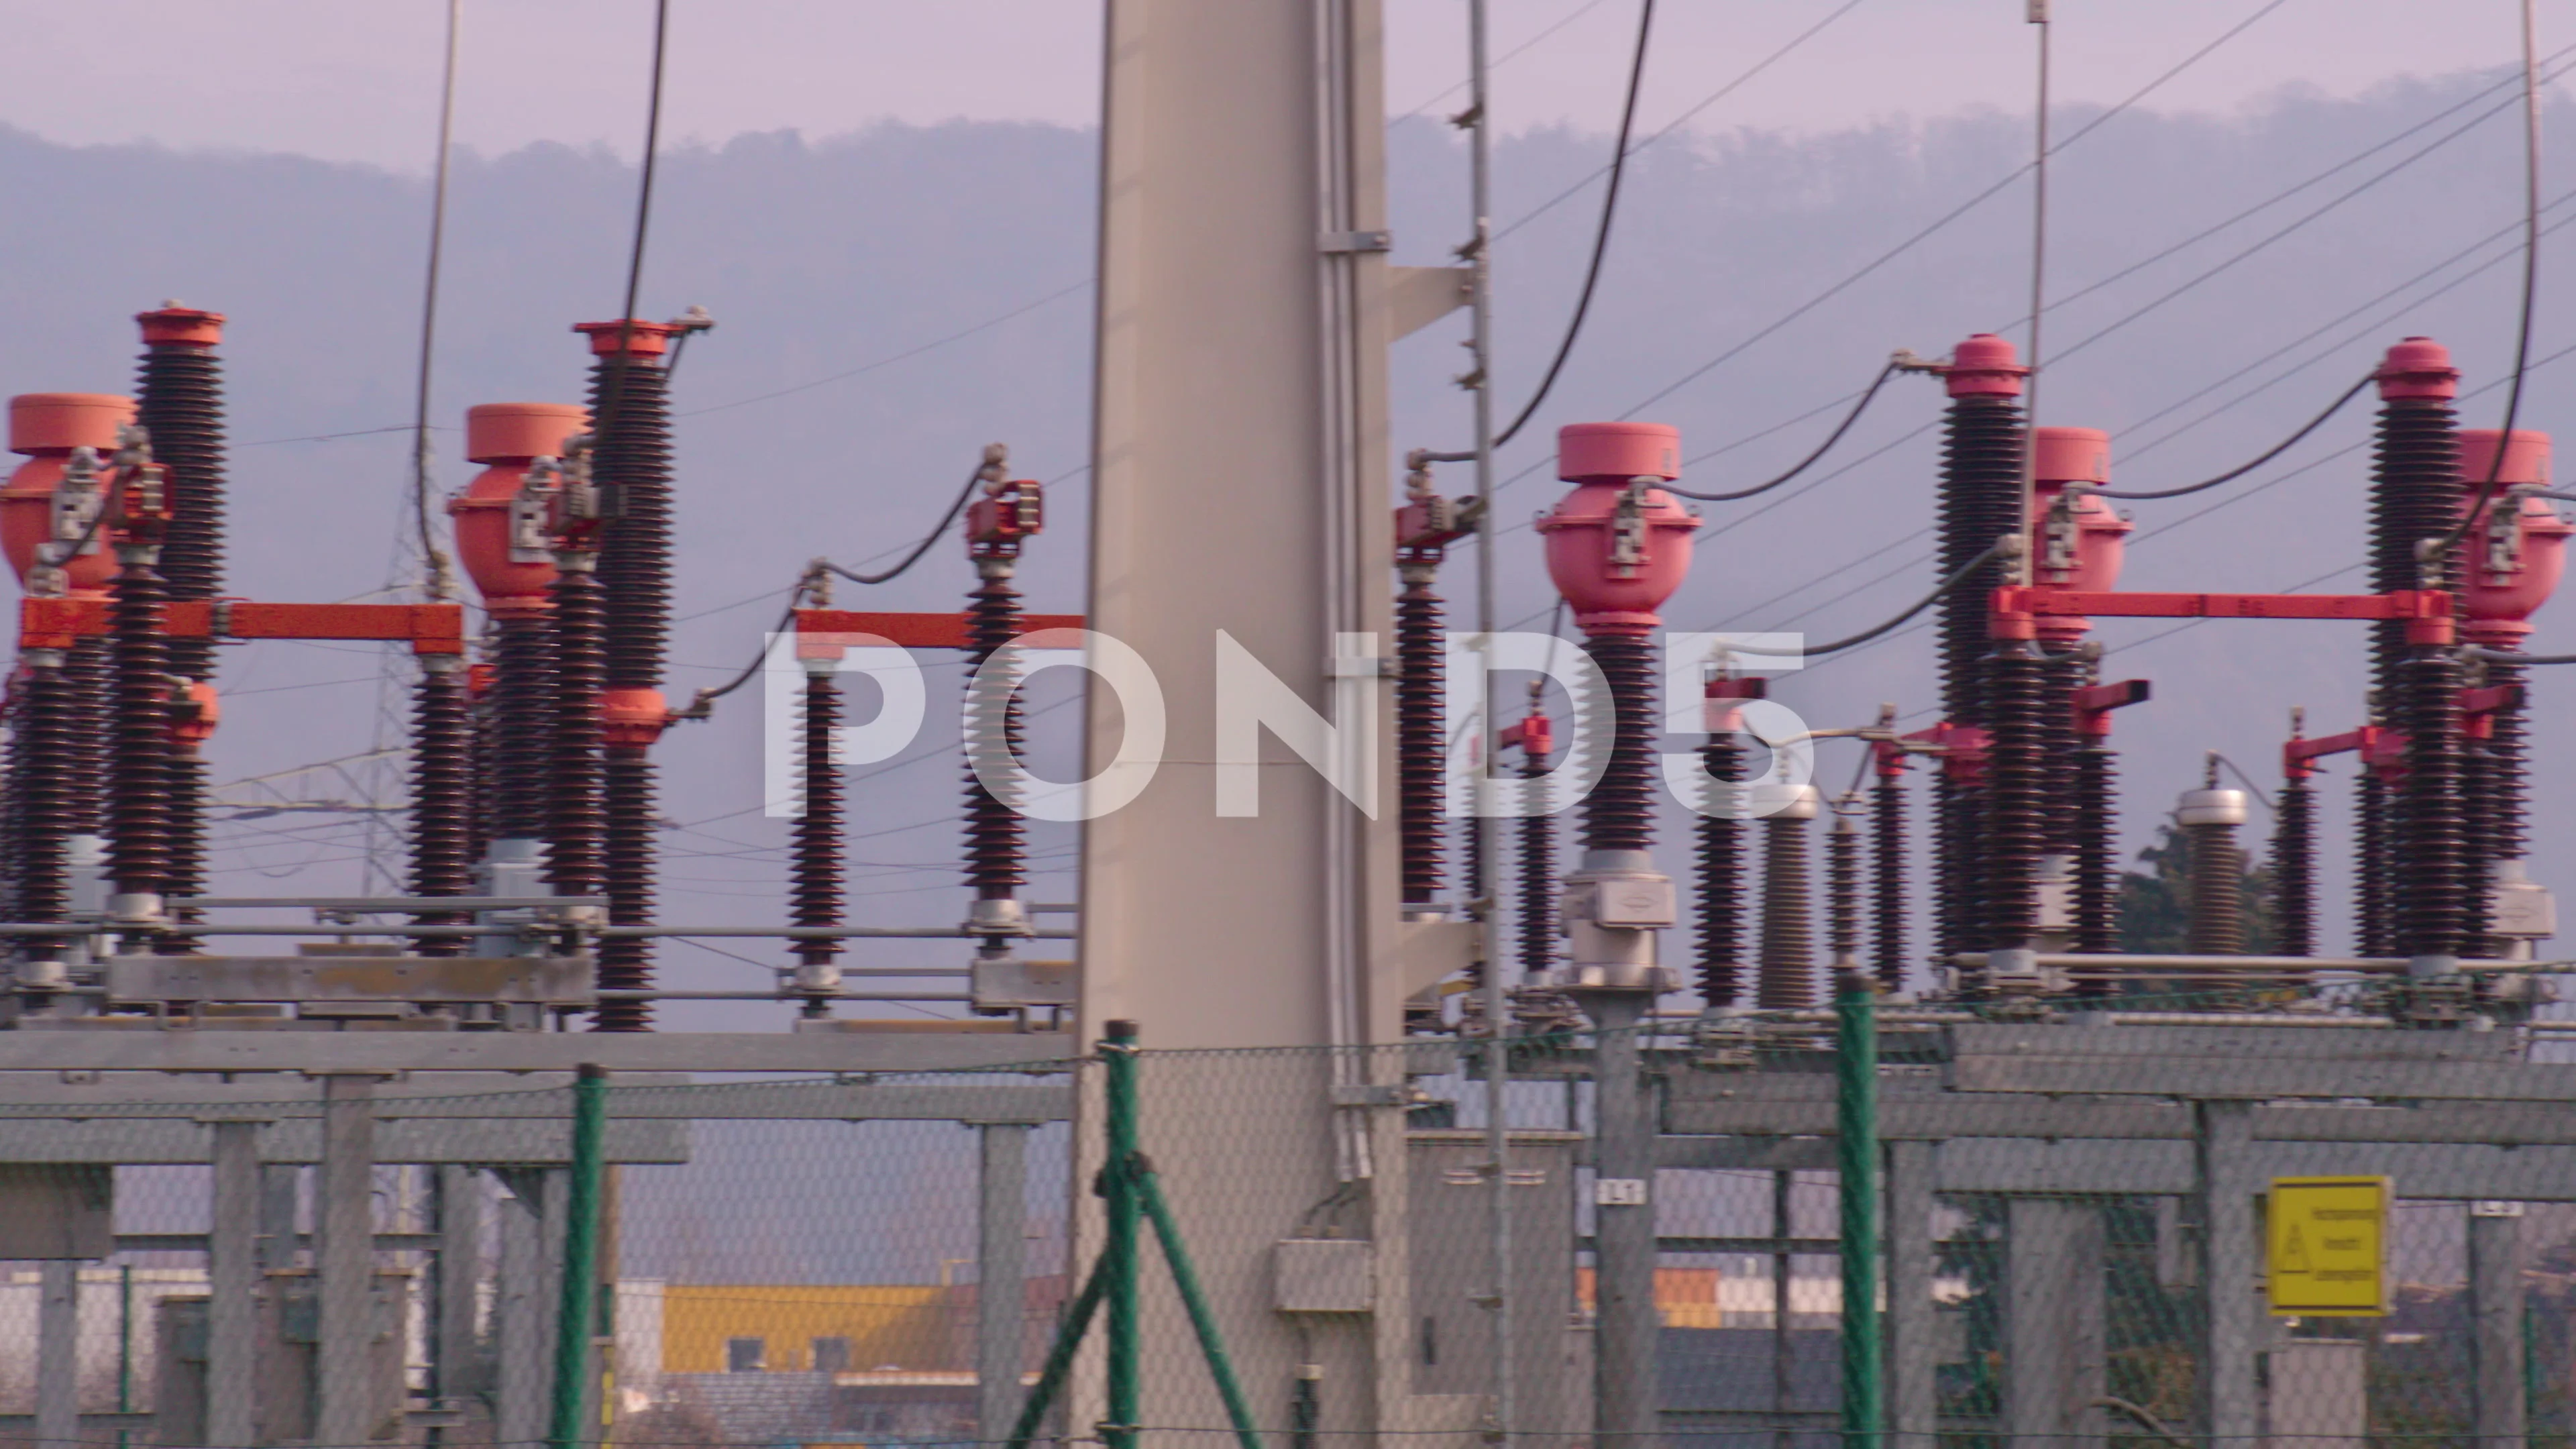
577, 1307
1059, 1359
1856, 1161
1185, 1276
1118, 1249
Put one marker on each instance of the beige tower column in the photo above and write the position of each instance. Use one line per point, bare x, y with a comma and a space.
1240, 485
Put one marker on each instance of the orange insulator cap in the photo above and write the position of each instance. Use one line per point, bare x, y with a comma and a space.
42, 422
640, 338
501, 432
193, 722
632, 718
176, 326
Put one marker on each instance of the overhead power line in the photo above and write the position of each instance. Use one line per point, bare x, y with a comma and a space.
1601, 235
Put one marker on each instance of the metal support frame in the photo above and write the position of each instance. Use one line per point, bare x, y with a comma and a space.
460, 1198
344, 1217
1624, 1397
232, 1283
1001, 1268
2055, 1354
2496, 1322
1913, 1396
2231, 1311
58, 1423
532, 1235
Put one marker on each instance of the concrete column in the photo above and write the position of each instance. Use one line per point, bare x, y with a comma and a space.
2495, 1311
1912, 1397
280, 1187
1625, 1397
1001, 1268
2054, 1354
232, 1287
460, 1262
531, 1271
2230, 1411
58, 1354
344, 1213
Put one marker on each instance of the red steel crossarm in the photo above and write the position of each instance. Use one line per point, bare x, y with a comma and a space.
915, 631
54, 623
2428, 612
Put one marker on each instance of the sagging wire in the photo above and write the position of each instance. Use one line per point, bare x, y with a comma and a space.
2242, 469
438, 569
1902, 361
815, 581
2008, 546
2530, 288
1601, 236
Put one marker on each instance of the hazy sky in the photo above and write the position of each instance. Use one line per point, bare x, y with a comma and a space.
357, 79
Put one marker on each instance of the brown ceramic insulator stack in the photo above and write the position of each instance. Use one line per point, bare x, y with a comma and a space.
626, 872
2217, 922
46, 758
629, 396
814, 869
2060, 676
1979, 500
576, 823
1842, 892
1619, 814
1419, 756
631, 464
2097, 863
1787, 976
2504, 789
442, 830
2433, 913
523, 728
996, 836
138, 816
89, 679
482, 733
179, 401
186, 880
1538, 875
2374, 909
13, 717
2015, 827
1721, 872
1887, 883
2294, 868
1953, 902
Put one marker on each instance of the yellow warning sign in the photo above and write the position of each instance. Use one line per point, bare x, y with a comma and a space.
2329, 1246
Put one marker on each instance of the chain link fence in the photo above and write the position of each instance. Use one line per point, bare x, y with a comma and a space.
2113, 1223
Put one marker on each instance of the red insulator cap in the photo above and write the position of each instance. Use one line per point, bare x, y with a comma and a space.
193, 719
2418, 368
1615, 572
1986, 366
632, 718
1617, 452
2070, 455
639, 337
57, 422
516, 432
176, 326
2526, 458
2496, 605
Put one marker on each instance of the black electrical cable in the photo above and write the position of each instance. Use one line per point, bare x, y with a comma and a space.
1827, 446
434, 559
923, 547
2530, 284
2268, 454
2507, 656
1601, 236
1964, 572
643, 219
